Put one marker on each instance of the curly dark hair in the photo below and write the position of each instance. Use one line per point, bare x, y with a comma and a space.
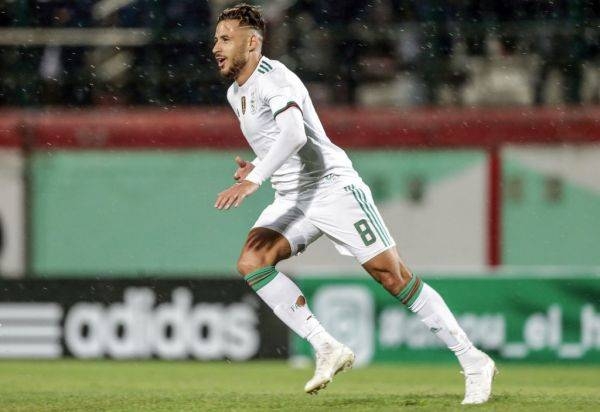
248, 15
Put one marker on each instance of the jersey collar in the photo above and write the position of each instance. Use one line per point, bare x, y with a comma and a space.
252, 76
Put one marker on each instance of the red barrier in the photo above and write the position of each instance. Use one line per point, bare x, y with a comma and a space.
10, 130
136, 129
354, 128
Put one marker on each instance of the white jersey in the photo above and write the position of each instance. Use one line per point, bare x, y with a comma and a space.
271, 89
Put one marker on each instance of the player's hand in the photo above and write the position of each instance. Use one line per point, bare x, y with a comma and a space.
243, 169
235, 195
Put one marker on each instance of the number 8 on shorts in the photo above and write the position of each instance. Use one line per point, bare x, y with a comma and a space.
365, 232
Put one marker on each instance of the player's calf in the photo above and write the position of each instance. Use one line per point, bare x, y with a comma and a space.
289, 304
432, 310
388, 270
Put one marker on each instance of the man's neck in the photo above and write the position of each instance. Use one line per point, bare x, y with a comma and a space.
248, 69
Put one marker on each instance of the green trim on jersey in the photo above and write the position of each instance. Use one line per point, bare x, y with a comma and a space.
287, 106
261, 277
264, 67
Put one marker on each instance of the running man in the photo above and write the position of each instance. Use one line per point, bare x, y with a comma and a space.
317, 192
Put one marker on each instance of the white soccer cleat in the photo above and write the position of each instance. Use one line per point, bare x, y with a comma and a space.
478, 382
333, 358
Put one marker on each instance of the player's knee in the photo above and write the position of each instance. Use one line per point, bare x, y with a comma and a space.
245, 266
249, 262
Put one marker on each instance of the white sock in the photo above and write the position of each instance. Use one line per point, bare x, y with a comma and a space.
289, 304
429, 306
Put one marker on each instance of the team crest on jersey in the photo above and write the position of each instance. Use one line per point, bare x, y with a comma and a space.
243, 104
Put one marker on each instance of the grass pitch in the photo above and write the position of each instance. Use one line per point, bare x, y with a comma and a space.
72, 385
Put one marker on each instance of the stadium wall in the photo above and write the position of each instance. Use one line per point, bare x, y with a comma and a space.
149, 210
130, 192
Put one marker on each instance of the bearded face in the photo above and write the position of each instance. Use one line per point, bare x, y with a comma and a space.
231, 48
234, 68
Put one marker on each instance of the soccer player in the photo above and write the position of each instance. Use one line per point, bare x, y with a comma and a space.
317, 192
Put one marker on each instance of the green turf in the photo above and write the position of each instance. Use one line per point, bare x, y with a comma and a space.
71, 385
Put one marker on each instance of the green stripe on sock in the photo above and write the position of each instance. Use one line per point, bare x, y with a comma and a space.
377, 219
414, 297
266, 269
260, 277
411, 291
404, 292
363, 206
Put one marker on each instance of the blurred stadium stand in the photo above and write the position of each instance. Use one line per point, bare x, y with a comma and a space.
366, 53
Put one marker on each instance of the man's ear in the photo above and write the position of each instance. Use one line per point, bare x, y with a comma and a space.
253, 42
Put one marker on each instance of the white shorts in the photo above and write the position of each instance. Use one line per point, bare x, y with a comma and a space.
343, 211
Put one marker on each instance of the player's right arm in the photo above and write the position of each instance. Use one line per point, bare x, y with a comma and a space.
291, 139
284, 98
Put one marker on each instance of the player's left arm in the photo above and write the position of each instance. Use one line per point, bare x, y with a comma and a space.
291, 139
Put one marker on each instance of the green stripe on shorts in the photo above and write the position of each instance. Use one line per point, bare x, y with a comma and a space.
376, 217
364, 207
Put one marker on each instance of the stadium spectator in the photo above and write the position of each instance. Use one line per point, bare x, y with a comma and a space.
8, 16
341, 20
337, 46
51, 13
61, 68
564, 54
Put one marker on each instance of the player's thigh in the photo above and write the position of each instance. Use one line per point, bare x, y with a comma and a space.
287, 220
349, 217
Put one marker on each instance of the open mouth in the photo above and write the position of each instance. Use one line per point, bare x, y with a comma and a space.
221, 62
